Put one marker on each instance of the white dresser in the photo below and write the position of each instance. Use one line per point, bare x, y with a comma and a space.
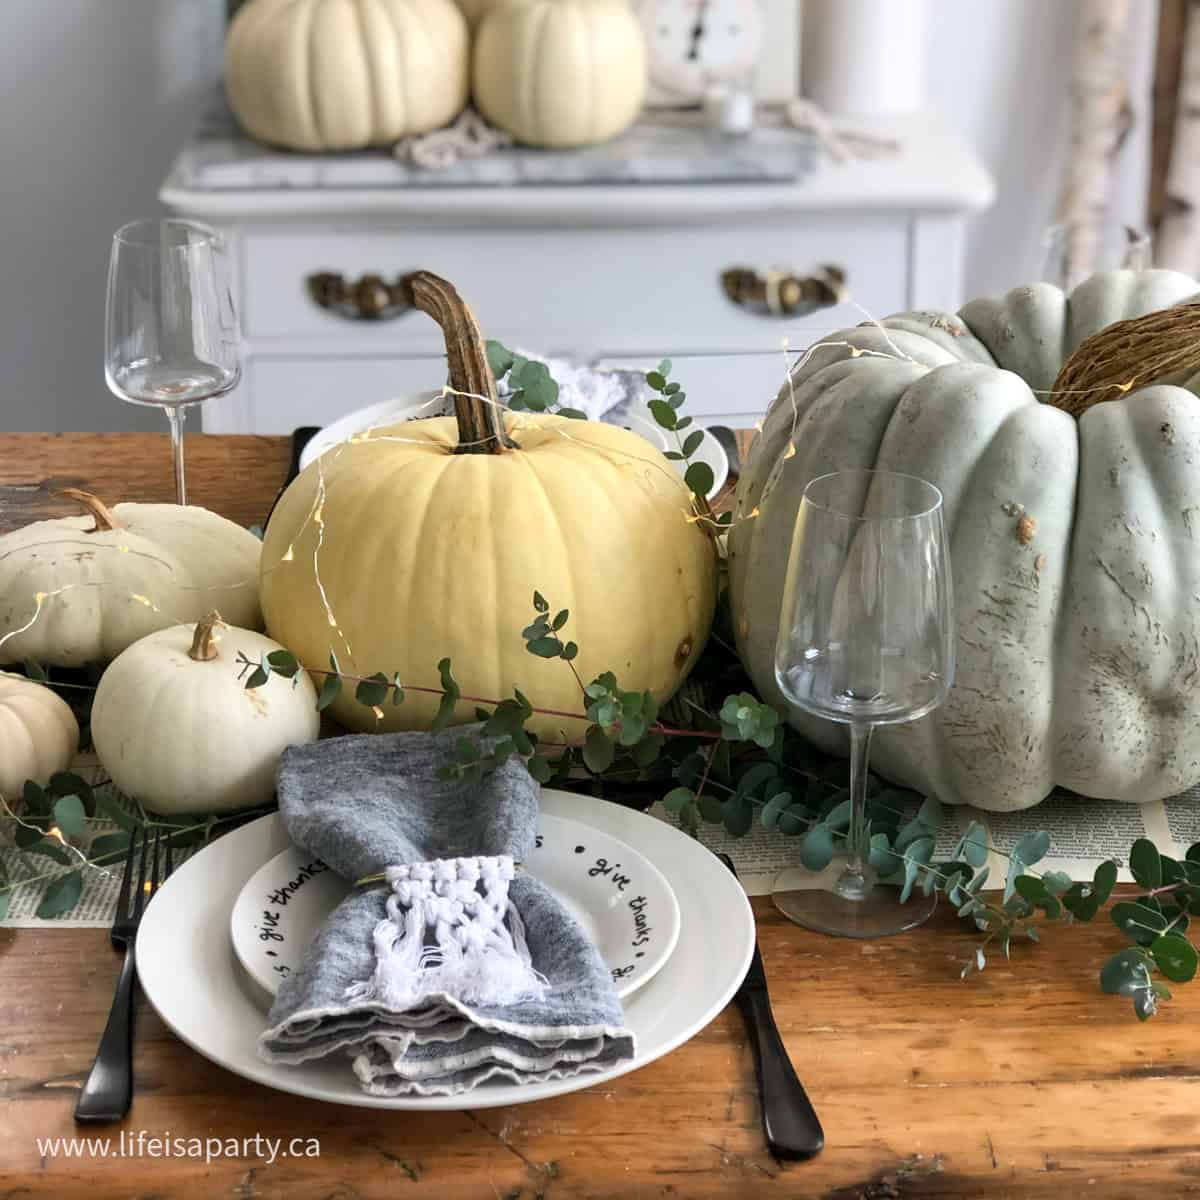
618, 275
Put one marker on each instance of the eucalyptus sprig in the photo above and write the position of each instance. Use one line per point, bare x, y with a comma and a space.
666, 412
63, 832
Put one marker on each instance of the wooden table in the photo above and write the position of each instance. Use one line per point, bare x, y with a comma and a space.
1024, 1081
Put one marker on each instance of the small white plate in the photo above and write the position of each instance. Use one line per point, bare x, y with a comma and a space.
392, 412
188, 972
622, 901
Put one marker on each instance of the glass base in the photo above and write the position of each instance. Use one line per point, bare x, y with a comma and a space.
854, 907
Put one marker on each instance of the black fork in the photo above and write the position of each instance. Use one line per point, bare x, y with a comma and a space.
108, 1090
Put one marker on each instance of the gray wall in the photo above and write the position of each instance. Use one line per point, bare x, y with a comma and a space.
95, 98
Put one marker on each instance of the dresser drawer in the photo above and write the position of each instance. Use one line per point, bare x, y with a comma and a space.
580, 292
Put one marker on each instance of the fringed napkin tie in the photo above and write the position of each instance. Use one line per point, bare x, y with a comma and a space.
451, 927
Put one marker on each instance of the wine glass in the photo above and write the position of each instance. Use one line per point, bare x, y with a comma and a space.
865, 638
171, 335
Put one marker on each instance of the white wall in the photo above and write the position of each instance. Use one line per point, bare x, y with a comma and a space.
999, 71
95, 98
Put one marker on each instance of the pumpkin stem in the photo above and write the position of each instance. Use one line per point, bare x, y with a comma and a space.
104, 518
1160, 347
203, 648
476, 406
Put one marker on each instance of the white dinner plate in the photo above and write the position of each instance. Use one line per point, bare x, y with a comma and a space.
620, 899
190, 976
391, 412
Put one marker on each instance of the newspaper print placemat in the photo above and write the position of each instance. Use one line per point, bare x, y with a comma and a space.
1083, 833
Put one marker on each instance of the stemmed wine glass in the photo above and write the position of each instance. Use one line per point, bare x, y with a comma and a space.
865, 638
171, 336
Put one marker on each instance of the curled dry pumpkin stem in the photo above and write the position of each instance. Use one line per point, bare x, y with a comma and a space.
204, 648
1159, 347
476, 405
94, 505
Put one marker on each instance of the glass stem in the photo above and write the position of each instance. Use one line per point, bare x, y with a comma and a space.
857, 879
175, 415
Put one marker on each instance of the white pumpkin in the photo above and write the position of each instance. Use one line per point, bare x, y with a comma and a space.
80, 589
1075, 543
178, 730
38, 734
345, 74
560, 72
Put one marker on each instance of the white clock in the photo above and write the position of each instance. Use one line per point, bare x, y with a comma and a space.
696, 44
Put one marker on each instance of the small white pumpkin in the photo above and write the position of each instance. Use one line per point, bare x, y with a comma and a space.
80, 589
38, 734
560, 72
178, 730
345, 74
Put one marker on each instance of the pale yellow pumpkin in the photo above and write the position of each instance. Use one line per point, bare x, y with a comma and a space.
80, 589
345, 74
400, 548
38, 734
559, 72
178, 730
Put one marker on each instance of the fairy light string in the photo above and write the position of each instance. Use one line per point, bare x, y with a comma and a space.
372, 434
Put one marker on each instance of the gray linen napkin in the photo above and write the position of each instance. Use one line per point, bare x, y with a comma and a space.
456, 969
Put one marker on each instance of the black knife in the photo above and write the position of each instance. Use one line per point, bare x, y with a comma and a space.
789, 1120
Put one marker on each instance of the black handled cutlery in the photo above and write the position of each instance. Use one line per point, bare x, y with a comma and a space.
789, 1120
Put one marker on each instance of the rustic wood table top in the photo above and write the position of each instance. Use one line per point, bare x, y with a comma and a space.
1024, 1081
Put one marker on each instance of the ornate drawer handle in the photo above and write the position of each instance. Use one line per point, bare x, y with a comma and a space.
370, 298
780, 294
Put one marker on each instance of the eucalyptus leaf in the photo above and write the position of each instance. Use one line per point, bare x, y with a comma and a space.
1126, 972
816, 851
738, 815
69, 815
598, 750
1144, 864
499, 357
331, 688
1175, 957
372, 691
283, 662
545, 647
61, 895
114, 811
677, 799
972, 846
108, 846
50, 848
793, 819
699, 477
1138, 921
663, 414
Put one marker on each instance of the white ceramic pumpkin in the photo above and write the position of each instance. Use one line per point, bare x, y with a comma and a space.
38, 734
106, 579
428, 539
178, 730
559, 72
322, 75
1075, 542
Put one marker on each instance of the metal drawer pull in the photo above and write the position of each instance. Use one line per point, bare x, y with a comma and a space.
370, 298
780, 294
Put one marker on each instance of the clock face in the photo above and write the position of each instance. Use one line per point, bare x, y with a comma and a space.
694, 44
